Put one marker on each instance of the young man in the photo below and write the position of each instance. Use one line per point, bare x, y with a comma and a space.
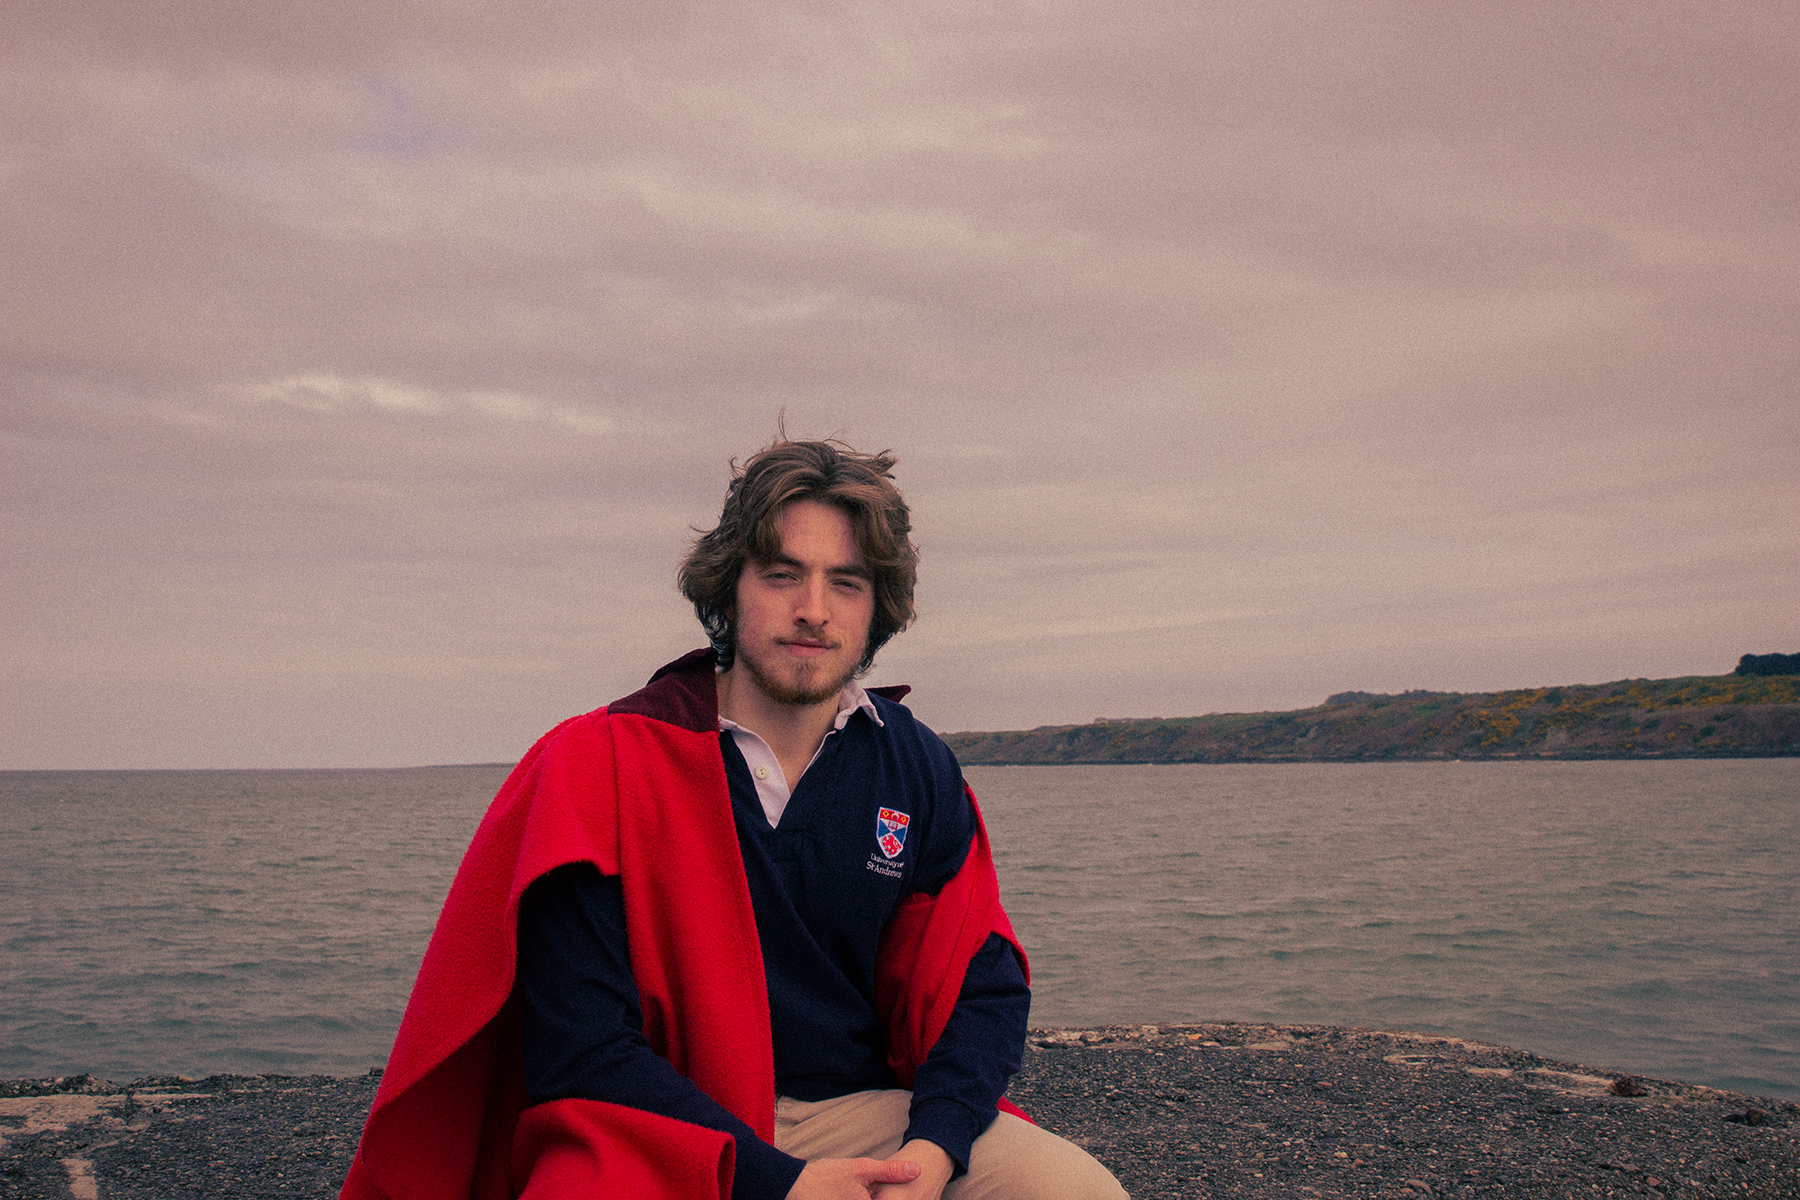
737, 934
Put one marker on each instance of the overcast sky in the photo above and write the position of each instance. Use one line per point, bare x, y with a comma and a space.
366, 365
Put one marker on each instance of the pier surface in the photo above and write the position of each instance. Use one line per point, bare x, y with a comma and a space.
1193, 1110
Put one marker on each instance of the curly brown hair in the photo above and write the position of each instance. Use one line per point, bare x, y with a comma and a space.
860, 485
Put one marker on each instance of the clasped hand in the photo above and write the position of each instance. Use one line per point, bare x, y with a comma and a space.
917, 1171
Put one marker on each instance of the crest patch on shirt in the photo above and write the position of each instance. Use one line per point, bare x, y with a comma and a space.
890, 831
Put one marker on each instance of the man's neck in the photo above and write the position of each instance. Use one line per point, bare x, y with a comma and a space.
793, 731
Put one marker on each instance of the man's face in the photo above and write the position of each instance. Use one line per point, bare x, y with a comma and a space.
802, 621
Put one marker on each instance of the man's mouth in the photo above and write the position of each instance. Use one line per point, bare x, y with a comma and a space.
808, 644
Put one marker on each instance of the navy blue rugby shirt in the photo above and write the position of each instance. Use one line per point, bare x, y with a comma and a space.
822, 886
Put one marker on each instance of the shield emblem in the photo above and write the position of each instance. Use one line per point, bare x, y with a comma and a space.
890, 831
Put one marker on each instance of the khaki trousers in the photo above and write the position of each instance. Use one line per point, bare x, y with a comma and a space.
1013, 1160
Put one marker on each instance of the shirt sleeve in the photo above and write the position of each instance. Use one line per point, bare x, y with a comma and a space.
958, 1086
583, 1022
947, 835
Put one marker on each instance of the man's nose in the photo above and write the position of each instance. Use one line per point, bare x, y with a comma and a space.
809, 606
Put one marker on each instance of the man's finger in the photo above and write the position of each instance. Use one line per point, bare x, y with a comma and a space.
830, 1178
893, 1172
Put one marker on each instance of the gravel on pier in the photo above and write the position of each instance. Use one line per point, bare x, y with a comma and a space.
1175, 1110
1315, 1111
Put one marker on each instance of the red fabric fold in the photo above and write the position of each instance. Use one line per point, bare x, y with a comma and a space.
925, 951
564, 1148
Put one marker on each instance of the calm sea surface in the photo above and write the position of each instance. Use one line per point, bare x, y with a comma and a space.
1641, 916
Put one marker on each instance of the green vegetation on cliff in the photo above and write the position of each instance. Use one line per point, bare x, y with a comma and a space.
1695, 716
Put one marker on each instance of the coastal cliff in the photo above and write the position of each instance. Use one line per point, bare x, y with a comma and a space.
1697, 716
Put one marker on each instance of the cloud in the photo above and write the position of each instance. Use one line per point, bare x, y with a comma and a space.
331, 394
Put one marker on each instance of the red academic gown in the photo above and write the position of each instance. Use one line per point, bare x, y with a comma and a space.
638, 789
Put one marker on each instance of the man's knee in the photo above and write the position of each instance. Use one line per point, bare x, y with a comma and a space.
1015, 1160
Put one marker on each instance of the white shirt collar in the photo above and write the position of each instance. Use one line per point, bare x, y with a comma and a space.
853, 697
772, 787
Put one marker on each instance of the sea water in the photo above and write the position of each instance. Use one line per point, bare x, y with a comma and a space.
1643, 916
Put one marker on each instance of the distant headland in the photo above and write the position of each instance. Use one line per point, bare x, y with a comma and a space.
1752, 713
